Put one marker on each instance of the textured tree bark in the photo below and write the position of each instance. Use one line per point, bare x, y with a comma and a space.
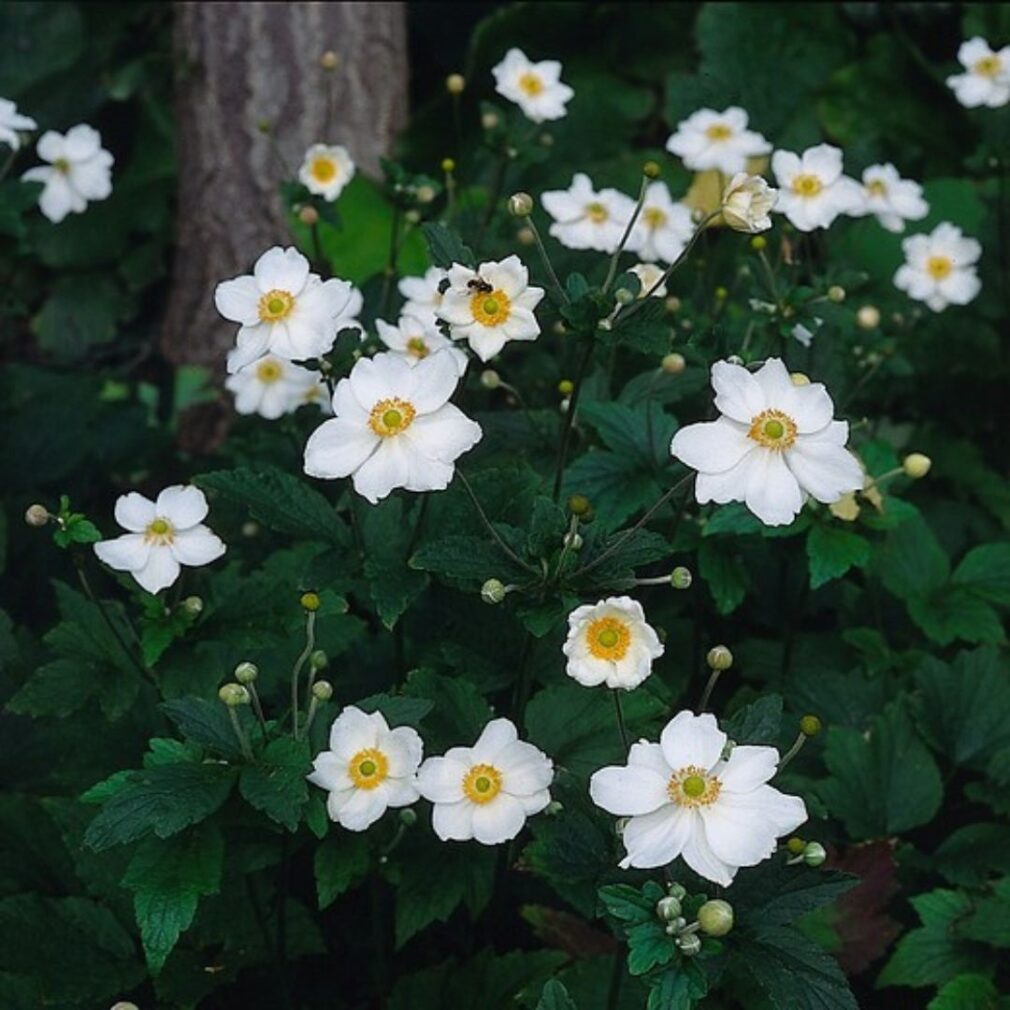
240, 65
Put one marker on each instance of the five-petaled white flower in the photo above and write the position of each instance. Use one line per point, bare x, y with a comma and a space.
422, 295
325, 170
685, 797
891, 199
709, 139
413, 339
491, 305
284, 309
586, 219
747, 202
12, 124
610, 643
535, 87
939, 268
986, 80
393, 426
368, 768
487, 791
774, 444
79, 171
163, 535
272, 386
813, 190
664, 226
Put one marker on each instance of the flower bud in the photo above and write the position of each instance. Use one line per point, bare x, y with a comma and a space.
525, 236
810, 725
493, 591
836, 293
795, 846
308, 215
573, 541
412, 216
250, 528
322, 690
814, 854
329, 60
319, 660
715, 917
566, 387
36, 515
546, 139
672, 304
578, 505
520, 205
554, 808
448, 166
799, 379
489, 120
310, 601
454, 84
678, 891
668, 908
747, 202
193, 605
689, 945
734, 359
246, 673
623, 296
408, 818
758, 242
490, 379
651, 170
916, 465
122, 1005
868, 317
719, 658
681, 578
673, 364
233, 695
721, 293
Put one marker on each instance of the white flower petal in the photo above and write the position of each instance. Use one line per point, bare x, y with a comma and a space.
498, 821
338, 447
160, 570
525, 769
712, 446
824, 471
748, 767
197, 546
657, 838
699, 856
742, 828
772, 491
238, 300
134, 512
690, 739
128, 553
353, 731
363, 808
281, 270
183, 506
496, 736
738, 394
440, 780
629, 791
453, 821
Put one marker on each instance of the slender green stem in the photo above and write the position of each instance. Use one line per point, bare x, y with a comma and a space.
313, 706
258, 710
797, 746
622, 728
612, 269
524, 681
487, 523
296, 672
390, 271
706, 695
658, 580
548, 266
772, 283
573, 403
243, 740
573, 529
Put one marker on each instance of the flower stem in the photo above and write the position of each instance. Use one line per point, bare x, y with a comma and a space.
390, 272
622, 728
258, 709
573, 403
797, 746
612, 269
709, 688
243, 740
548, 266
310, 644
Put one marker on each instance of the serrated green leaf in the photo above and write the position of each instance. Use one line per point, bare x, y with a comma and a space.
445, 246
679, 988
341, 861
985, 572
206, 723
912, 564
972, 853
757, 723
966, 992
832, 551
724, 573
276, 784
554, 996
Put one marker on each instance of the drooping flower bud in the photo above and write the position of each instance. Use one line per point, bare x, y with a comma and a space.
455, 83
36, 515
246, 673
814, 854
916, 465
719, 658
715, 917
673, 363
520, 205
493, 591
322, 690
408, 818
868, 317
747, 202
573, 541
234, 695
681, 578
668, 908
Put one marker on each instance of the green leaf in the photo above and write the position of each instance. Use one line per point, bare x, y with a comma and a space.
757, 723
81, 312
547, 528
616, 485
568, 852
833, 551
733, 518
392, 584
989, 920
59, 688
966, 992
276, 783
724, 573
467, 560
954, 612
775, 894
680, 988
206, 723
912, 564
554, 996
648, 330
396, 709
168, 878
626, 550
649, 946
458, 711
445, 246
641, 434
341, 861
985, 572
972, 853
629, 904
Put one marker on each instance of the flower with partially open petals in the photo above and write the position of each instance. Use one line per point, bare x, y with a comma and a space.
536, 88
423, 295
747, 203
491, 305
487, 791
368, 768
986, 80
79, 171
413, 340
13, 124
940, 268
721, 140
684, 796
663, 228
163, 535
325, 171
812, 189
774, 444
585, 218
272, 386
891, 199
393, 426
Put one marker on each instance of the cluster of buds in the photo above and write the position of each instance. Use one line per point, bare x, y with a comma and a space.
714, 918
809, 853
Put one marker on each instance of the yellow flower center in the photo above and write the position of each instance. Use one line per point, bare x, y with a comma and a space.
876, 188
312, 394
939, 267
482, 783
988, 66
718, 132
159, 532
490, 308
323, 169
62, 165
773, 429
531, 83
807, 185
391, 417
368, 768
597, 213
276, 305
269, 371
693, 787
608, 638
417, 348
654, 218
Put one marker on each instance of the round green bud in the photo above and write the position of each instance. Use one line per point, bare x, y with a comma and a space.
795, 846
810, 725
250, 529
672, 304
916, 465
681, 578
651, 170
329, 60
868, 317
689, 945
675, 925
308, 215
668, 908
455, 83
758, 242
520, 205
425, 194
715, 917
814, 854
489, 120
673, 364
233, 695
246, 673
554, 808
322, 690
719, 658
412, 216
310, 601
678, 891
319, 660
490, 379
566, 387
493, 591
578, 504
448, 166
836, 293
36, 515
193, 605
721, 293
408, 818
525, 236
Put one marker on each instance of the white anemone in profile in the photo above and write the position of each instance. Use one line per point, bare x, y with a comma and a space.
368, 768
774, 444
585, 218
649, 275
422, 295
536, 88
610, 643
747, 202
664, 226
325, 170
891, 199
413, 339
272, 387
163, 535
491, 305
13, 124
79, 171
684, 796
487, 791
812, 189
393, 426
284, 309
986, 80
940, 268
720, 140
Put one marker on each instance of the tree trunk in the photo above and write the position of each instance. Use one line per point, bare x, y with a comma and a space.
243, 65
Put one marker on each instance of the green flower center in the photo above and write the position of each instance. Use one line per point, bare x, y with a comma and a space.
694, 786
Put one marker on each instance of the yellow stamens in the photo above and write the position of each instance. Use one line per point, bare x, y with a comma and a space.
531, 83
654, 218
482, 783
159, 532
719, 131
988, 66
807, 185
417, 348
608, 638
391, 417
269, 371
773, 429
693, 787
597, 213
491, 309
939, 267
368, 768
276, 305
324, 169
876, 188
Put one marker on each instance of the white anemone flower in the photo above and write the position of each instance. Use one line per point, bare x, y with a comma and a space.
774, 444
940, 268
747, 202
413, 339
163, 535
813, 191
13, 124
393, 426
720, 140
487, 791
272, 386
536, 88
422, 294
325, 170
368, 768
585, 218
610, 643
79, 171
891, 199
285, 309
986, 80
491, 305
664, 226
685, 797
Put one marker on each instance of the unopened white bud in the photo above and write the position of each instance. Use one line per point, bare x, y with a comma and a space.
490, 379
719, 658
193, 606
836, 293
234, 695
668, 908
455, 83
493, 591
490, 120
681, 578
520, 205
916, 465
814, 854
319, 660
868, 317
573, 541
246, 673
36, 515
322, 690
689, 945
716, 917
673, 364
